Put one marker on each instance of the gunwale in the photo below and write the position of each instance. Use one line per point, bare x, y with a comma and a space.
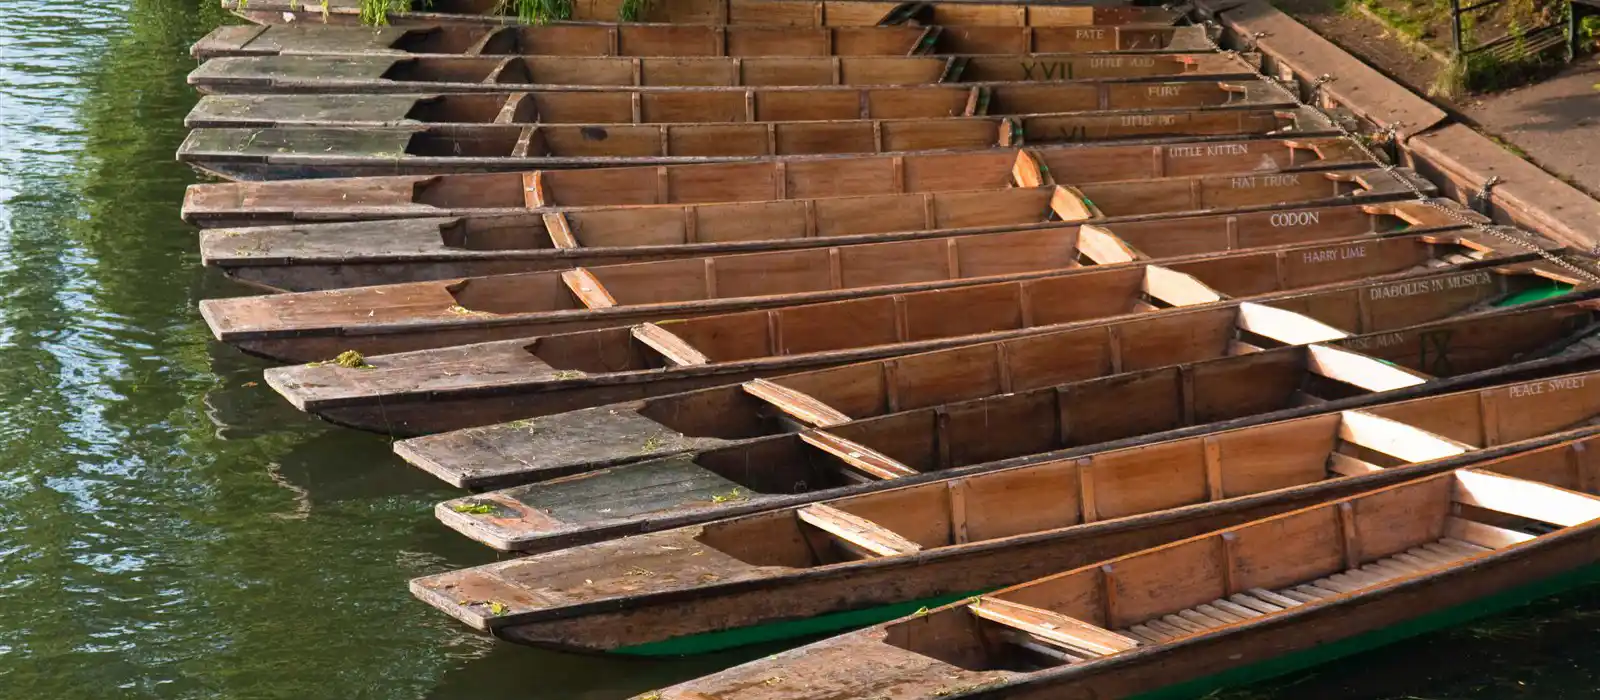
436, 390
624, 497
303, 152
665, 39
824, 581
366, 73
461, 194
419, 315
1500, 562
707, 106
694, 422
801, 13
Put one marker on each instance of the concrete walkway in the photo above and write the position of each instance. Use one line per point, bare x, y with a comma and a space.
1556, 122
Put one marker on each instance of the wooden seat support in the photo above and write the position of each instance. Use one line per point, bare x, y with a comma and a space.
1104, 247
857, 456
674, 349
1071, 634
1396, 439
1177, 288
587, 288
1360, 370
796, 404
1070, 204
1284, 326
559, 230
857, 534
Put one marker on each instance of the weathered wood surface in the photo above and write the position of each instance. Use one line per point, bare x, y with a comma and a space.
260, 203
789, 13
478, 309
288, 153
343, 255
375, 74
715, 106
1044, 423
708, 419
393, 318
601, 39
1336, 570
444, 389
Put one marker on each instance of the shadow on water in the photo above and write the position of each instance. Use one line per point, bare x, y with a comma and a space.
169, 529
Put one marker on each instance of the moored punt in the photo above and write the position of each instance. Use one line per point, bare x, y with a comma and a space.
374, 74
266, 154
1216, 385
306, 326
691, 40
444, 389
708, 586
1429, 325
715, 105
792, 13
296, 201
339, 255
1293, 589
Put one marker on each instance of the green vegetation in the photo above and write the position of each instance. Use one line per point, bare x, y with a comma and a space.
474, 508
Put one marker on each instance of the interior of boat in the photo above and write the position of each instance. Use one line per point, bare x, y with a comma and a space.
1315, 556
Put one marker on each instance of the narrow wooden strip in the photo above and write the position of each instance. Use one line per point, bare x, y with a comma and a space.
587, 288
1481, 534
902, 323
1052, 626
1236, 609
691, 224
1444, 552
1002, 362
1272, 598
1186, 401
1345, 465
1170, 631
1086, 500
533, 193
508, 111
1114, 348
796, 404
1151, 634
524, 141
835, 269
941, 436
1230, 562
1025, 171
855, 532
952, 259
857, 456
1108, 597
1254, 603
891, 384
957, 491
1360, 370
1185, 625
663, 185
555, 225
1217, 613
1213, 459
1396, 439
710, 274
1284, 326
1349, 535
636, 108
1489, 411
1203, 620
1069, 204
1470, 547
1298, 597
670, 346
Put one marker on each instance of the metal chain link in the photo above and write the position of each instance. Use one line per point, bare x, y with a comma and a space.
1506, 233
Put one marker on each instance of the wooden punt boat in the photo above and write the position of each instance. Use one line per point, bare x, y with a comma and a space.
354, 199
791, 13
931, 542
291, 153
692, 40
345, 255
719, 420
378, 74
445, 389
716, 105
1213, 387
1413, 555
389, 319
439, 313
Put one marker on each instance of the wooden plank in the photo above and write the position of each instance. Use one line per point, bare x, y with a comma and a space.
1482, 534
858, 534
1177, 288
1070, 633
673, 348
533, 191
1285, 326
1272, 598
587, 288
560, 230
857, 456
1345, 465
1070, 204
1523, 498
1349, 536
957, 490
1396, 439
1360, 370
1026, 172
1104, 247
1254, 603
796, 404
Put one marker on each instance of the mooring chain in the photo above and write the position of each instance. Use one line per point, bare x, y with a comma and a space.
1509, 234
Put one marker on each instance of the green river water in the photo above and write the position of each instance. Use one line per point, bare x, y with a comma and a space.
170, 529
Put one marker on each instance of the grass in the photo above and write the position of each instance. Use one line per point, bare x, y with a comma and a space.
474, 508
